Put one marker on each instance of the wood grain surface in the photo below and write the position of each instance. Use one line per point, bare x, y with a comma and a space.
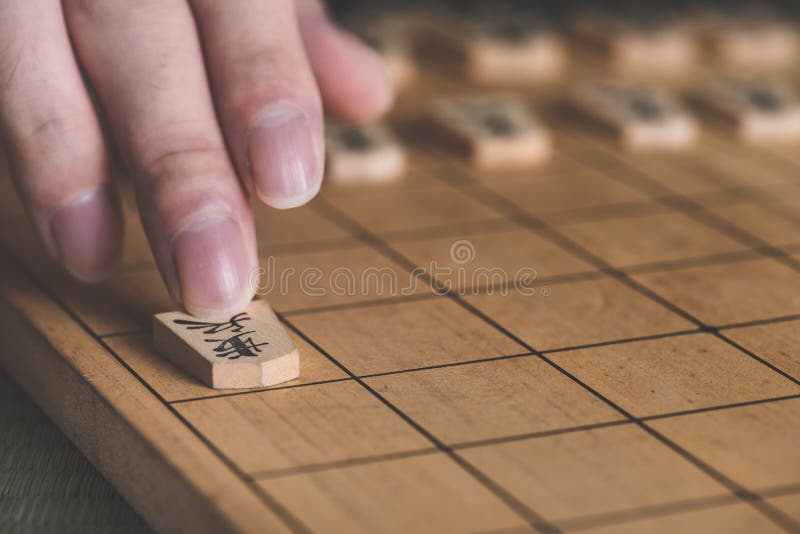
643, 378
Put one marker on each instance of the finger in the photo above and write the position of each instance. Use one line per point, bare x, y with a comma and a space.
354, 81
267, 99
54, 141
145, 61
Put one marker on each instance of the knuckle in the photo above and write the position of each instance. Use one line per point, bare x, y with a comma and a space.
102, 11
168, 159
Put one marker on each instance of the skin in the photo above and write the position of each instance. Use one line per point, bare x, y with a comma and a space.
206, 102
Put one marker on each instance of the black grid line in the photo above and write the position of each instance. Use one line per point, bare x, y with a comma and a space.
289, 519
769, 511
677, 333
339, 464
630, 176
533, 518
377, 458
502, 205
379, 244
239, 393
541, 228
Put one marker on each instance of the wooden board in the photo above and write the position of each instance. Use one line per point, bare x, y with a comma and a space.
606, 342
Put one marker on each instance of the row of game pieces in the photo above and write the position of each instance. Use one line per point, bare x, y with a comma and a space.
499, 131
524, 42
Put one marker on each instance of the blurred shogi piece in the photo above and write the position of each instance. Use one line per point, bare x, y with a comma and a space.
638, 39
363, 154
641, 117
759, 110
755, 35
497, 43
492, 131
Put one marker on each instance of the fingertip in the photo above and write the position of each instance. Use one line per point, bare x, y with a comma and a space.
285, 155
87, 234
354, 81
213, 267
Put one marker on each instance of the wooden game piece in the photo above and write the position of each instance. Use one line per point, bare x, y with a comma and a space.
494, 131
363, 154
751, 37
642, 117
758, 109
496, 46
644, 41
249, 350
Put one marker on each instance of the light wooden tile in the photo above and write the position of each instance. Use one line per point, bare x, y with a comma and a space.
386, 210
492, 400
422, 494
674, 374
777, 343
123, 303
583, 190
788, 504
743, 291
290, 428
579, 313
777, 223
250, 349
730, 519
753, 165
407, 335
355, 273
754, 445
592, 472
702, 171
297, 226
469, 260
628, 241
172, 384
558, 164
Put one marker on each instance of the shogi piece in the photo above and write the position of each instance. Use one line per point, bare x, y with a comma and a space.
647, 41
641, 117
249, 350
499, 48
363, 154
492, 131
754, 37
759, 110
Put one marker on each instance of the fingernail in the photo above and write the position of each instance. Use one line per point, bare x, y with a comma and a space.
211, 265
87, 234
282, 155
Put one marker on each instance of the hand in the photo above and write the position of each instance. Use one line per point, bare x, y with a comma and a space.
206, 100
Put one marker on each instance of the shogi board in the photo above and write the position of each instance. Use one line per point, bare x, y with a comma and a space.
648, 383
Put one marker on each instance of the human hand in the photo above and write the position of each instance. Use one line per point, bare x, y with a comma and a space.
206, 100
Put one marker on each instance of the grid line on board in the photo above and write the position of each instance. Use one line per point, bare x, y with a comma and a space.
289, 519
337, 216
533, 518
380, 244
